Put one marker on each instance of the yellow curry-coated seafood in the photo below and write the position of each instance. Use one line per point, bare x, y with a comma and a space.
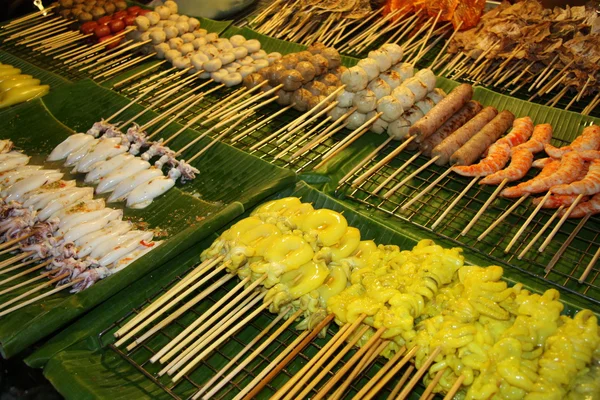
342, 249
324, 227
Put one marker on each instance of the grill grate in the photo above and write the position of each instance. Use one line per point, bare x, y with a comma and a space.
431, 206
190, 383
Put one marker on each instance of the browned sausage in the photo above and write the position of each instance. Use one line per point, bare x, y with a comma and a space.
472, 150
441, 112
468, 111
462, 135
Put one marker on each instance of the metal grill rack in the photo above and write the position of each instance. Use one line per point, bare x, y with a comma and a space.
190, 383
565, 273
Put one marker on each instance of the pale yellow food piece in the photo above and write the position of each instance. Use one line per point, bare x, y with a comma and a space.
21, 94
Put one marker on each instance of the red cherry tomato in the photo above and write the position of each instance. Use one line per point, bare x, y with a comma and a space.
88, 27
129, 20
143, 11
116, 26
102, 31
104, 20
112, 44
133, 13
134, 8
120, 14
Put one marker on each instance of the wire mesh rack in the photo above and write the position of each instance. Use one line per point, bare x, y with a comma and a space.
184, 389
581, 236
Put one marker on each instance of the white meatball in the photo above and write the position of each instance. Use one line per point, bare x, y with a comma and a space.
390, 107
142, 23
183, 18
135, 35
194, 23
158, 37
172, 54
427, 77
213, 65
370, 66
246, 60
237, 40
240, 52
161, 49
260, 64
337, 112
176, 42
272, 57
355, 79
186, 48
188, 37
161, 24
167, 23
345, 98
246, 70
404, 96
379, 126
219, 75
182, 27
398, 129
405, 70
233, 67
153, 17
223, 44
380, 88
392, 78
384, 61
252, 45
436, 95
198, 42
418, 88
182, 62
413, 114
171, 32
145, 36
174, 17
172, 6
204, 75
232, 79
227, 57
425, 105
355, 120
259, 55
210, 51
200, 33
364, 101
163, 11
393, 50
212, 37
198, 60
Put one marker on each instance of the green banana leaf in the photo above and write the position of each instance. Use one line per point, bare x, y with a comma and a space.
79, 348
229, 181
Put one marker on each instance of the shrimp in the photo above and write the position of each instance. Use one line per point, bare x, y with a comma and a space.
542, 162
566, 172
541, 135
519, 165
589, 207
588, 140
589, 155
521, 131
589, 185
497, 157
559, 200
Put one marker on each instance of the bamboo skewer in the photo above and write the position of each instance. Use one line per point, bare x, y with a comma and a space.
540, 233
25, 283
14, 259
426, 190
121, 67
455, 202
11, 242
560, 223
297, 142
387, 372
589, 267
364, 161
454, 389
410, 176
383, 162
260, 123
420, 372
429, 389
502, 217
484, 207
20, 265
565, 245
527, 222
298, 127
10, 249
395, 173
33, 290
401, 382
23, 273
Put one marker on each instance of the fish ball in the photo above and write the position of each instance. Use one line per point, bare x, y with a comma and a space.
405, 70
232, 79
181, 62
198, 61
175, 42
413, 114
260, 64
418, 88
330, 80
223, 44
302, 98
425, 105
198, 42
427, 77
291, 80
355, 120
289, 61
158, 37
153, 17
334, 59
171, 32
227, 57
194, 23
233, 67
392, 78
274, 56
273, 74
339, 70
163, 11
320, 63
390, 107
370, 66
304, 55
246, 70
186, 48
161, 49
345, 98
355, 79
307, 70
398, 129
204, 75
171, 5
182, 27
393, 50
316, 48
246, 60
365, 101
380, 88
142, 23
200, 33
384, 61
379, 126
259, 55
404, 96
316, 88
284, 98
252, 80
183, 18
317, 103
172, 54
219, 75
240, 52
436, 95
252, 45
174, 17
237, 40
337, 112
213, 65
188, 37
212, 37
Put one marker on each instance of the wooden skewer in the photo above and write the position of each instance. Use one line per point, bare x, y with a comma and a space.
401, 382
389, 370
25, 283
283, 359
20, 265
28, 17
219, 341
293, 130
261, 123
364, 161
13, 241
527, 222
484, 207
456, 200
427, 38
41, 36
454, 389
383, 162
27, 271
231, 99
429, 389
14, 259
426, 190
54, 39
502, 217
315, 109
138, 74
565, 245
297, 142
395, 173
420, 372
540, 233
125, 65
10, 249
560, 223
227, 114
30, 31
40, 297
118, 52
589, 267
435, 60
33, 290
410, 176
188, 97
197, 272
154, 77
251, 357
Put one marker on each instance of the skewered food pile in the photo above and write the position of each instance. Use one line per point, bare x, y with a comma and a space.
92, 10
16, 88
104, 28
52, 220
464, 14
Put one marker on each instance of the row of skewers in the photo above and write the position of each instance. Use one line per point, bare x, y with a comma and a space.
59, 227
310, 268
